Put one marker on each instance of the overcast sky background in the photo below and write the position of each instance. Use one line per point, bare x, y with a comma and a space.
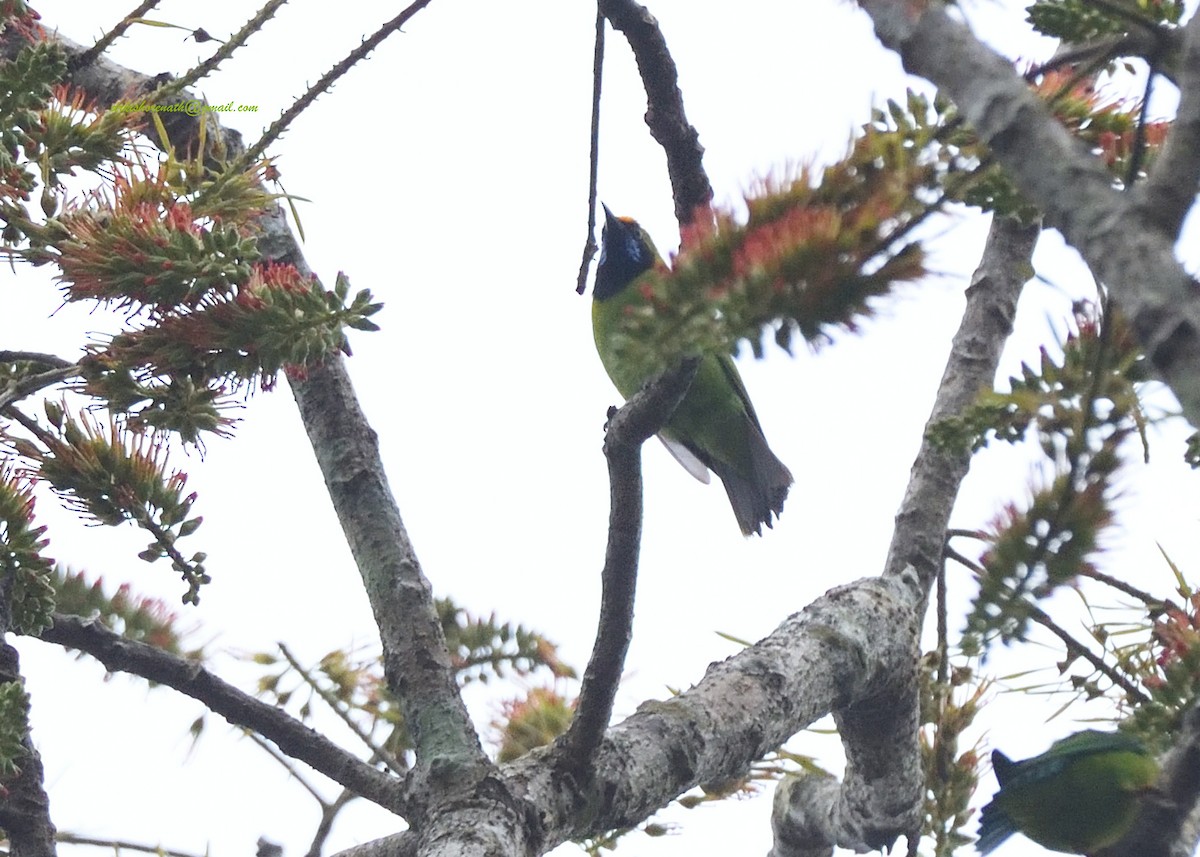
448, 174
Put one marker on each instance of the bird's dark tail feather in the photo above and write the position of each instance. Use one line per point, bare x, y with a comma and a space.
994, 827
994, 824
759, 496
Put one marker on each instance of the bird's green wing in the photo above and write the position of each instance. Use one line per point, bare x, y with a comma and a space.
735, 380
1064, 752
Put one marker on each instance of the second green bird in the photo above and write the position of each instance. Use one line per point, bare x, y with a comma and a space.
1078, 797
715, 425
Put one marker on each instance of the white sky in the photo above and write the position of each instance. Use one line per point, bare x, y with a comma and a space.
448, 175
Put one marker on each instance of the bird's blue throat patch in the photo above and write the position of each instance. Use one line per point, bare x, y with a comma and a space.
623, 257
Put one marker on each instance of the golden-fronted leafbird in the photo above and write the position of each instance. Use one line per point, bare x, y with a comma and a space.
1079, 796
715, 425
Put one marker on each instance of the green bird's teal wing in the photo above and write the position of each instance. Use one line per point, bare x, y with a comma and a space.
715, 426
716, 423
1080, 795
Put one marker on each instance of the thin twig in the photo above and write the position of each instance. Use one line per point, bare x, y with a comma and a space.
956, 532
338, 708
324, 83
329, 812
1147, 45
1138, 154
1075, 648
223, 53
589, 247
978, 569
1151, 601
67, 838
30, 424
329, 808
1071, 55
286, 763
88, 56
943, 629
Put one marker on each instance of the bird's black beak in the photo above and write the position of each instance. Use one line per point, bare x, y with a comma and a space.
613, 227
610, 219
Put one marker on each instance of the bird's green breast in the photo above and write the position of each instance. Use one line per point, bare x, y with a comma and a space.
714, 416
606, 318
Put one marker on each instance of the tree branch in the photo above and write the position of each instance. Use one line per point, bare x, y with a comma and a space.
630, 427
416, 659
1169, 191
849, 646
59, 370
51, 360
1159, 45
881, 795
924, 514
24, 804
853, 646
664, 114
18, 390
643, 415
1132, 257
291, 736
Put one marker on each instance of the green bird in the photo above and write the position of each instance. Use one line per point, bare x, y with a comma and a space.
715, 425
1079, 796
